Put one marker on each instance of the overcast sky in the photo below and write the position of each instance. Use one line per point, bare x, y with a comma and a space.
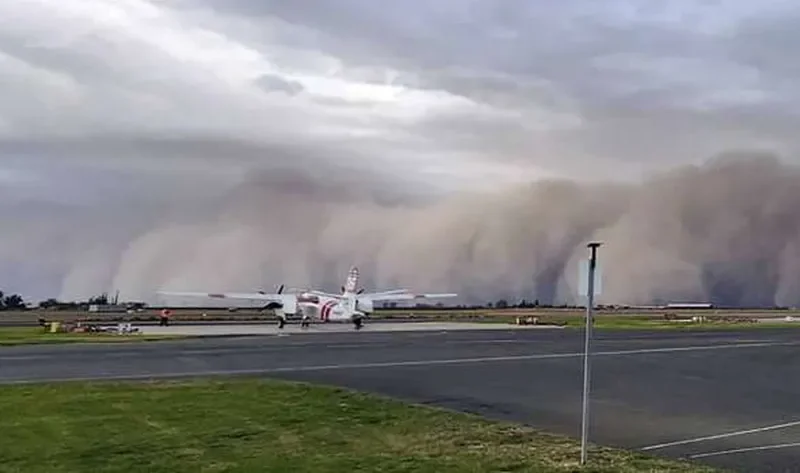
575, 87
108, 105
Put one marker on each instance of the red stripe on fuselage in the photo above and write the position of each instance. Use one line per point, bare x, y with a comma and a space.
325, 310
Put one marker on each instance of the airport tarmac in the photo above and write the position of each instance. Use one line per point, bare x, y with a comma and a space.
728, 398
294, 327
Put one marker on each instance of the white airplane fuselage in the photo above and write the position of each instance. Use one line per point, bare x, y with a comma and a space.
331, 309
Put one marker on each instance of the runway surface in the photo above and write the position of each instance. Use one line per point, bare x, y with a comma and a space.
728, 398
272, 329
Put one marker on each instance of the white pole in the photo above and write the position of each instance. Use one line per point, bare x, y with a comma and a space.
587, 346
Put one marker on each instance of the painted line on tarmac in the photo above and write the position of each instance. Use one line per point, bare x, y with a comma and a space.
743, 450
725, 435
398, 364
261, 348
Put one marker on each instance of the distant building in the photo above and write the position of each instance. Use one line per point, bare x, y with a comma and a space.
687, 305
116, 308
107, 308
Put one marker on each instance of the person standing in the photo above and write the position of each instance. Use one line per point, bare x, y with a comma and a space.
165, 315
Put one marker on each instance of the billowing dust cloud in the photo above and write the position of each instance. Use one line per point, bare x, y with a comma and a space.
725, 232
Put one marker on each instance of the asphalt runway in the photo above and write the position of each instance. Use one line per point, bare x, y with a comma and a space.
339, 327
727, 398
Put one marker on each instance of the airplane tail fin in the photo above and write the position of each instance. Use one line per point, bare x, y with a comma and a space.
352, 281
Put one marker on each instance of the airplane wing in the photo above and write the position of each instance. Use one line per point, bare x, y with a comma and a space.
405, 296
256, 296
387, 293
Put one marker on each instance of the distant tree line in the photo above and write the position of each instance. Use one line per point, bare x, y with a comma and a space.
16, 302
11, 301
55, 304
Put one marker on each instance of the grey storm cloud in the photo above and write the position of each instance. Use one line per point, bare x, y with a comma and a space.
276, 83
471, 146
575, 83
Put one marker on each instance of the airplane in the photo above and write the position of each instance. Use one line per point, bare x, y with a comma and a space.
354, 305
350, 305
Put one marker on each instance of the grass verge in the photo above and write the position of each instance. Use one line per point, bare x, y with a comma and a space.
27, 336
263, 425
609, 322
623, 322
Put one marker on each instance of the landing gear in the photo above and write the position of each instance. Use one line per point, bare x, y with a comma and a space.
358, 323
305, 322
281, 322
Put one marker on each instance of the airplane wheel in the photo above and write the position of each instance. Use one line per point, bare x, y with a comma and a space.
281, 323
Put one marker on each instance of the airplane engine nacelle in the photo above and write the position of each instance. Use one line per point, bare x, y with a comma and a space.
288, 305
365, 305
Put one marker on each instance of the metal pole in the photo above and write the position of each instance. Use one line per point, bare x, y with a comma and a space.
587, 346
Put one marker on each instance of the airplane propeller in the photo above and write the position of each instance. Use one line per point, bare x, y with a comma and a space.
359, 291
272, 305
280, 290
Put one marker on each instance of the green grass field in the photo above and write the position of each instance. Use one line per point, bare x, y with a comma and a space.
242, 315
258, 425
37, 335
611, 322
570, 318
620, 323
